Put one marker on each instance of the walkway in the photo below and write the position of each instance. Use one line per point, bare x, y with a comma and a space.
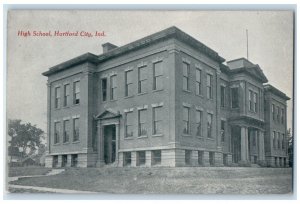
49, 190
44, 189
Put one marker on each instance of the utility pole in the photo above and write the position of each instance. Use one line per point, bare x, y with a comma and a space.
247, 44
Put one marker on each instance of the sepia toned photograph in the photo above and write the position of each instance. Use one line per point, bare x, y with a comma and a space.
150, 102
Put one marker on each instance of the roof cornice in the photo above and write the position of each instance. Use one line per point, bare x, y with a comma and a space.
172, 32
87, 57
272, 89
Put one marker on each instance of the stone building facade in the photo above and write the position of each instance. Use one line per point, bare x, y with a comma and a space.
163, 100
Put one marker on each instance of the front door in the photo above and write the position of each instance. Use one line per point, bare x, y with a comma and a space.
109, 144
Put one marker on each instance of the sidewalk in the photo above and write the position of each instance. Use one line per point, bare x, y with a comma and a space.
52, 190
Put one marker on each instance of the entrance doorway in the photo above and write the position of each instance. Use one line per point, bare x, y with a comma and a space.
109, 144
236, 143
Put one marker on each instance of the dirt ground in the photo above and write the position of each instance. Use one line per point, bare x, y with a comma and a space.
183, 180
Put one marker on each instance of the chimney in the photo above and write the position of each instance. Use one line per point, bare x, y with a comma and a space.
108, 47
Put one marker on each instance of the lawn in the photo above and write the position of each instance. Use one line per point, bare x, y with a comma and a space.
184, 180
27, 171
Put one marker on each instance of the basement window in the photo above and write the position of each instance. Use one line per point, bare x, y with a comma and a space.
156, 157
211, 158
74, 160
127, 158
64, 160
188, 157
200, 157
55, 161
141, 158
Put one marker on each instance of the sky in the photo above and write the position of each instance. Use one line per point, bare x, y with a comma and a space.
270, 39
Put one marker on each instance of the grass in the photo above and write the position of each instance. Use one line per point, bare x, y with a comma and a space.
27, 171
184, 180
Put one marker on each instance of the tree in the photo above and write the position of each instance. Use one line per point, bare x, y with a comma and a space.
290, 148
25, 136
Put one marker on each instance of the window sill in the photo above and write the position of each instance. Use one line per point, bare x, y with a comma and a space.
76, 104
210, 99
66, 143
65, 107
56, 144
188, 91
200, 95
128, 138
200, 137
75, 142
139, 94
113, 100
128, 97
142, 136
186, 135
157, 90
157, 135
209, 138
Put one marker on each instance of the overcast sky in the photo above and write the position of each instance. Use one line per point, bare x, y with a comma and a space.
270, 45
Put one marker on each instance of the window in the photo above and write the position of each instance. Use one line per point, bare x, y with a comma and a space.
255, 102
278, 113
113, 87
223, 96
157, 120
222, 130
186, 120
129, 83
128, 124
198, 82
142, 77
209, 86
273, 111
250, 100
64, 160
156, 157
75, 129
282, 115
57, 97
274, 140
186, 73
55, 161
74, 160
225, 159
141, 158
76, 92
254, 139
56, 132
234, 97
66, 131
211, 158
200, 157
278, 140
199, 121
188, 157
157, 76
282, 142
104, 89
142, 118
66, 94
209, 125
127, 158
